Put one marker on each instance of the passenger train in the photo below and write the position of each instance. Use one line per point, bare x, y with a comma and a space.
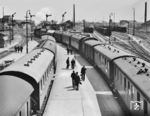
25, 85
128, 75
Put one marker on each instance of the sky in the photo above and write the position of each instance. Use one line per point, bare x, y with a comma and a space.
89, 10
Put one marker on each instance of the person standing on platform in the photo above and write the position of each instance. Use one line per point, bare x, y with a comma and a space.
73, 75
21, 48
73, 63
67, 49
77, 81
83, 71
67, 63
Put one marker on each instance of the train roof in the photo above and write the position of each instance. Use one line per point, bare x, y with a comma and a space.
13, 93
131, 67
45, 37
89, 38
111, 52
31, 66
92, 42
50, 45
66, 33
78, 36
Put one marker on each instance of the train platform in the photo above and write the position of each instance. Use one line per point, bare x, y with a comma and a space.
15, 55
66, 101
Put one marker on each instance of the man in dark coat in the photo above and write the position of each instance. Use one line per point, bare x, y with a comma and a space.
67, 63
77, 81
83, 71
67, 49
73, 76
73, 63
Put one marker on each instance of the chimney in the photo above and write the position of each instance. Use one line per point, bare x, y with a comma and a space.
145, 15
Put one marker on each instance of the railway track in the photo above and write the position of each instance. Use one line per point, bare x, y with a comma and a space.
131, 46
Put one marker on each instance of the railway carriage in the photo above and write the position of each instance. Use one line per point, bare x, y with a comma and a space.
66, 38
58, 36
29, 81
37, 69
82, 43
126, 73
76, 41
133, 84
89, 49
14, 96
104, 56
48, 37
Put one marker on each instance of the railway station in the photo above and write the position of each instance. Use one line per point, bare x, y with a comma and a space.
75, 59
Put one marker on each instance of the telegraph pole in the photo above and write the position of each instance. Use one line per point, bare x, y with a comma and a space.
31, 22
27, 31
73, 15
12, 25
145, 16
110, 22
133, 21
3, 19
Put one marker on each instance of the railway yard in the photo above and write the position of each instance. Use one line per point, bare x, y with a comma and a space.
92, 60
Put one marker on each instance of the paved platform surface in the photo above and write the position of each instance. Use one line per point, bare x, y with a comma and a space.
64, 100
108, 103
15, 55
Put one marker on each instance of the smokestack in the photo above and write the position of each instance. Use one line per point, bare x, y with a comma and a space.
145, 16
73, 15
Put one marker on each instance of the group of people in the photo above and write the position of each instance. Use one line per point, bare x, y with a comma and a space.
73, 63
76, 78
18, 48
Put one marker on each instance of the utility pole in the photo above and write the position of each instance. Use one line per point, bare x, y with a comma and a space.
31, 22
27, 30
12, 25
145, 16
73, 15
133, 21
110, 21
3, 20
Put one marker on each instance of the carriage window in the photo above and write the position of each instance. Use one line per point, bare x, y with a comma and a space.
20, 113
132, 91
124, 82
27, 109
128, 85
145, 107
43, 79
138, 96
41, 84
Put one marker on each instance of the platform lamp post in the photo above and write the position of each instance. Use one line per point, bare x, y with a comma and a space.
12, 25
27, 30
31, 22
